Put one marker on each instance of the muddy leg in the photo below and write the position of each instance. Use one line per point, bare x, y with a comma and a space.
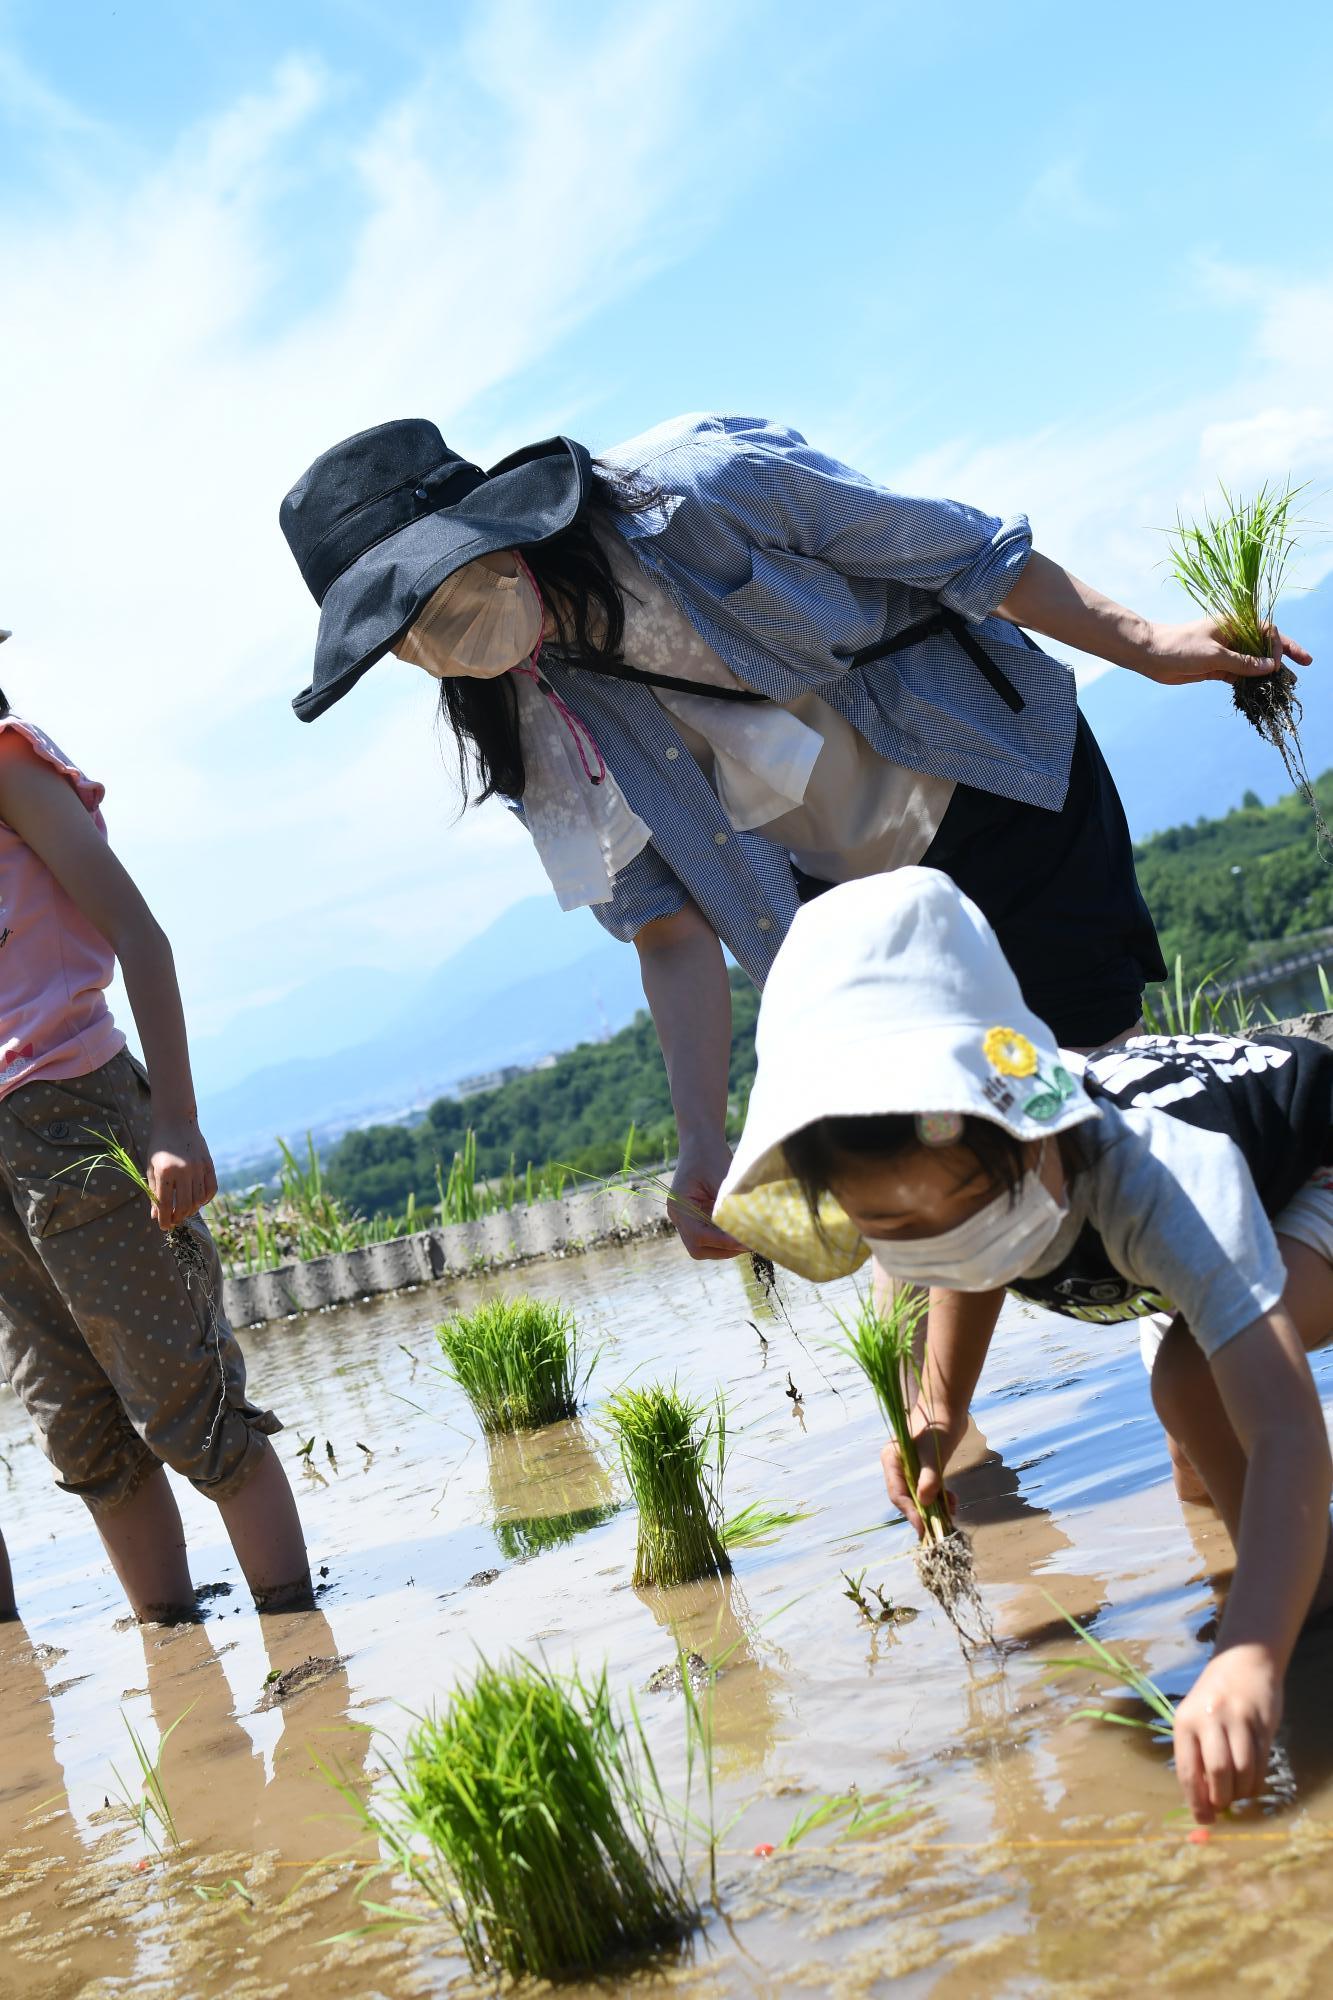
8, 1608
146, 1543
265, 1531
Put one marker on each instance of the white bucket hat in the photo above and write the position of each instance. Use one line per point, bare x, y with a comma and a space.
889, 994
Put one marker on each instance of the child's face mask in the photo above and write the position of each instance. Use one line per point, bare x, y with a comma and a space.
479, 623
998, 1244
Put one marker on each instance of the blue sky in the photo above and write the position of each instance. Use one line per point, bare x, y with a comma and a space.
1076, 262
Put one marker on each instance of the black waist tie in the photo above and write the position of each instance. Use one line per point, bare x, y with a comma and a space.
958, 628
924, 628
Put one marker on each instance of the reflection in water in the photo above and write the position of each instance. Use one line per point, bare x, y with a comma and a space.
548, 1487
39, 1839
712, 1618
213, 1773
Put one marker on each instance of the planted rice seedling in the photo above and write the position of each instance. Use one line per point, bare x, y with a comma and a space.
532, 1813
847, 1814
883, 1345
1161, 1716
150, 1804
517, 1361
1234, 564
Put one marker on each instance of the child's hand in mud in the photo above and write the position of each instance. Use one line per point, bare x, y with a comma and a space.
937, 1438
1225, 1728
180, 1171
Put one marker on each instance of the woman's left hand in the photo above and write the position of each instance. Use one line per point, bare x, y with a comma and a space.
1225, 1728
180, 1171
1177, 655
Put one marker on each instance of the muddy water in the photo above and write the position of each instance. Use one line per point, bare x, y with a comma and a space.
1041, 1854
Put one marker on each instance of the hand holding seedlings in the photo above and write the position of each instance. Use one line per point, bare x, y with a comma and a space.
1234, 565
883, 1344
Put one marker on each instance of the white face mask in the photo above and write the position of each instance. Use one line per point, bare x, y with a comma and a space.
478, 623
998, 1244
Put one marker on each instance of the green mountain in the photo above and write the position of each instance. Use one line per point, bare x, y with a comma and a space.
1225, 891
579, 1111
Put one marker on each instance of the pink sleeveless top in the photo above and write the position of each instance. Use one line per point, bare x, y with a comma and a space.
54, 965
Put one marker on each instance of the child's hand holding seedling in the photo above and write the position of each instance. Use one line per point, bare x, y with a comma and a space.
936, 1435
181, 1178
1225, 1728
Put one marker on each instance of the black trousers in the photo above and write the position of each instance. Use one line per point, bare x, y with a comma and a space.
1061, 892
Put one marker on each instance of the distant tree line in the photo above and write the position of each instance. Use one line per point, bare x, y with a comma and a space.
579, 1112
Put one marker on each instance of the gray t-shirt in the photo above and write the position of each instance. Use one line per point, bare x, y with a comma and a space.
1165, 1217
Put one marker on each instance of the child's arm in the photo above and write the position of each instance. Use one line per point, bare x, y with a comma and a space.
42, 809
957, 1343
1225, 1726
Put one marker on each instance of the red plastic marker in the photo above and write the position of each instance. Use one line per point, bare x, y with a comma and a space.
765, 1848
1198, 1834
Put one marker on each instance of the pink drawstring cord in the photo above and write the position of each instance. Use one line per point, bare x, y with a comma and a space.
578, 730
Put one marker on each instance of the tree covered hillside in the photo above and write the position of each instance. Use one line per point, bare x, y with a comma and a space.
579, 1111
1212, 915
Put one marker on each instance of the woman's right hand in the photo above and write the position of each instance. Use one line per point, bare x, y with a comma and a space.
937, 1436
700, 1172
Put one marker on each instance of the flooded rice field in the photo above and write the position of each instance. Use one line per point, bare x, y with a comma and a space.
1042, 1853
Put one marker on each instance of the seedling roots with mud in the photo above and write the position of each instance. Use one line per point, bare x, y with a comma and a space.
883, 1346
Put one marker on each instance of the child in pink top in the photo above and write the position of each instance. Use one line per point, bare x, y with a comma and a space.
111, 1329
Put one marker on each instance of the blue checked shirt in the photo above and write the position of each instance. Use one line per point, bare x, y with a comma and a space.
788, 563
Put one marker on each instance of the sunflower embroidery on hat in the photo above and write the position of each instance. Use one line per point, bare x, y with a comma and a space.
1013, 1055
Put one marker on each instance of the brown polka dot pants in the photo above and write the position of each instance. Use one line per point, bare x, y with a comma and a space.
111, 1335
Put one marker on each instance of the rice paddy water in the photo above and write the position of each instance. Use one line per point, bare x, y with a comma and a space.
886, 1817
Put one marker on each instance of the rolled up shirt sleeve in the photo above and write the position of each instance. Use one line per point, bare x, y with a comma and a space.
641, 893
967, 559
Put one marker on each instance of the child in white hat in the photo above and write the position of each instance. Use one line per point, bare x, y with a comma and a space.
908, 1105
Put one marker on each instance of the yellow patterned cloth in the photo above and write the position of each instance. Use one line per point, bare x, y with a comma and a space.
775, 1220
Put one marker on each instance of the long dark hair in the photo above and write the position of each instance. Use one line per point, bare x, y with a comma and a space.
4, 704
580, 591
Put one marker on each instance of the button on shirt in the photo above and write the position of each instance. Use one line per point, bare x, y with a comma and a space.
788, 563
800, 773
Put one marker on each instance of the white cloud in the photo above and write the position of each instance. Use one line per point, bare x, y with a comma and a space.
159, 394
1059, 197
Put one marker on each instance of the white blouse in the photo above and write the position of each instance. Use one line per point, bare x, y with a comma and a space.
799, 773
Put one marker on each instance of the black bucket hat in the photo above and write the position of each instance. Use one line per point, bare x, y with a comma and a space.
379, 522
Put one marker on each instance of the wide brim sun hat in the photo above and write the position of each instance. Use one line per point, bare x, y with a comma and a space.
378, 522
890, 994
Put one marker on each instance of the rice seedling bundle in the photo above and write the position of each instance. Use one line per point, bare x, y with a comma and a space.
539, 1807
883, 1346
673, 1450
1234, 564
516, 1361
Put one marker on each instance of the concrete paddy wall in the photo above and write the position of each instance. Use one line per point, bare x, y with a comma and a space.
546, 1229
